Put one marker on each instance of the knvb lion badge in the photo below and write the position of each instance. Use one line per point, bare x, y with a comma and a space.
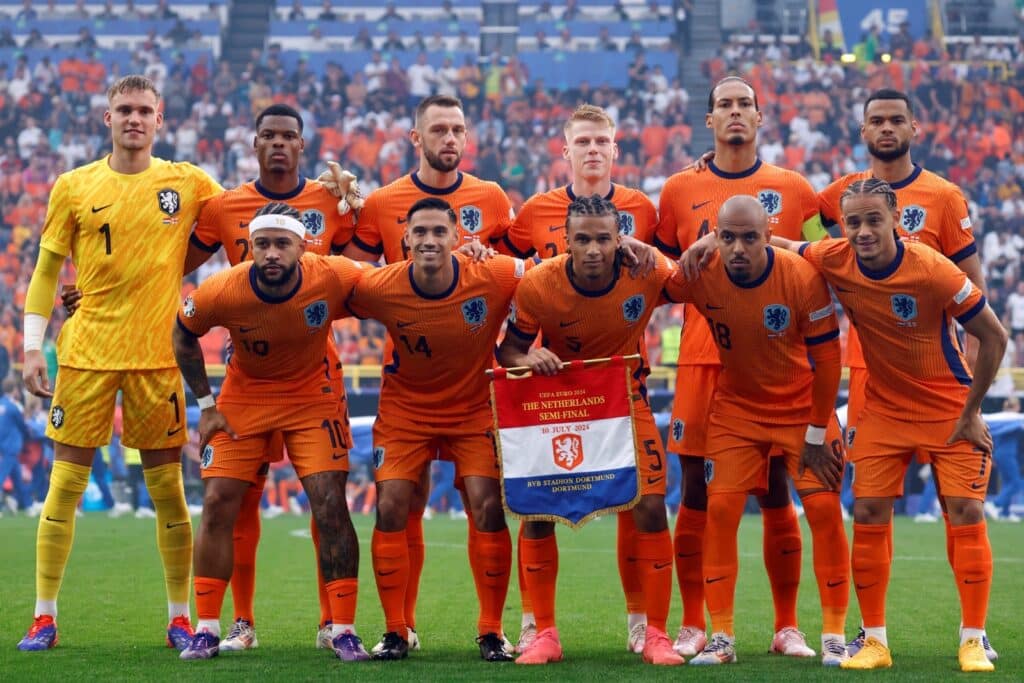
566, 443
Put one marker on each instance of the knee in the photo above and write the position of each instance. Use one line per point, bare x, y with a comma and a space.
392, 512
538, 530
872, 511
965, 511
695, 495
488, 514
649, 514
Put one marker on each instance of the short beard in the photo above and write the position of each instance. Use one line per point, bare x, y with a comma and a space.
435, 162
736, 140
285, 275
893, 155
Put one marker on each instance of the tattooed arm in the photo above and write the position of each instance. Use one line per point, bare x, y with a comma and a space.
189, 355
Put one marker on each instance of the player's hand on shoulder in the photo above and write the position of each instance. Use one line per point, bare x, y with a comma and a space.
697, 257
543, 361
342, 184
972, 429
478, 251
33, 373
212, 421
641, 258
823, 463
700, 164
70, 298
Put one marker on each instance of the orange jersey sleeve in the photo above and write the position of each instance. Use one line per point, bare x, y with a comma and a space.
225, 219
279, 344
904, 314
442, 344
577, 324
763, 330
482, 209
689, 210
539, 228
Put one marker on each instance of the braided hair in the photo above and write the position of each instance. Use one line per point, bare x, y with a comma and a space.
279, 209
594, 205
871, 186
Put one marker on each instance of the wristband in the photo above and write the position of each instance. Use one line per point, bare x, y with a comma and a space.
815, 435
34, 331
206, 402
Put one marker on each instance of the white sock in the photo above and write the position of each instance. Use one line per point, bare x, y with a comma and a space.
632, 620
528, 620
825, 637
968, 633
46, 607
210, 625
878, 633
177, 609
338, 629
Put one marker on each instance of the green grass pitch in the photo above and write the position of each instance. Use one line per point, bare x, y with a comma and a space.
112, 611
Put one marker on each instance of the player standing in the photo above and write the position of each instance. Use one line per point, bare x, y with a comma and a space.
933, 211
920, 400
587, 306
104, 215
278, 310
774, 324
484, 213
444, 313
539, 228
224, 221
690, 201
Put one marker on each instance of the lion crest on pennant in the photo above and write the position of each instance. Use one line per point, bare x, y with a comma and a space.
567, 450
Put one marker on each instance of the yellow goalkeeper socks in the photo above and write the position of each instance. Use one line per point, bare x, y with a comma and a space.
173, 532
56, 531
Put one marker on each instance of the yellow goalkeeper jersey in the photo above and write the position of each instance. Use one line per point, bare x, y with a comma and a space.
127, 236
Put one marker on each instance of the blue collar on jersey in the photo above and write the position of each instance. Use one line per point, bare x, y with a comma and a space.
617, 268
888, 270
900, 184
435, 190
572, 195
281, 195
734, 176
267, 298
443, 295
761, 278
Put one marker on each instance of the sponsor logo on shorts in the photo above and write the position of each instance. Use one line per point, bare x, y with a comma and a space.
851, 433
709, 471
378, 457
57, 417
678, 428
206, 459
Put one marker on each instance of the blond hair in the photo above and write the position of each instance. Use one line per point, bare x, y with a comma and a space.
131, 83
589, 112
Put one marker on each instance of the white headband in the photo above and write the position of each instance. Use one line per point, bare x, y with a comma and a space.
277, 222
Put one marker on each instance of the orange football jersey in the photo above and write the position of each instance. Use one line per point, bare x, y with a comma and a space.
442, 344
689, 210
279, 344
481, 207
763, 330
933, 212
577, 324
916, 370
539, 226
225, 219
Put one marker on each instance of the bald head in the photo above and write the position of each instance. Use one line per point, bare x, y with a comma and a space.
743, 236
743, 208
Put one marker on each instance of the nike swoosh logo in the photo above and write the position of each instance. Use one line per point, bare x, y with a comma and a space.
203, 593
335, 456
654, 480
662, 565
172, 432
51, 519
97, 209
831, 584
242, 225
171, 525
863, 588
712, 307
401, 220
976, 486
682, 555
494, 574
840, 289
714, 580
387, 573
553, 228
975, 580
790, 551
533, 569
694, 207
344, 595
400, 324
568, 324
243, 330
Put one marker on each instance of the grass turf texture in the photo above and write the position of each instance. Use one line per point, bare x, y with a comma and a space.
112, 610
